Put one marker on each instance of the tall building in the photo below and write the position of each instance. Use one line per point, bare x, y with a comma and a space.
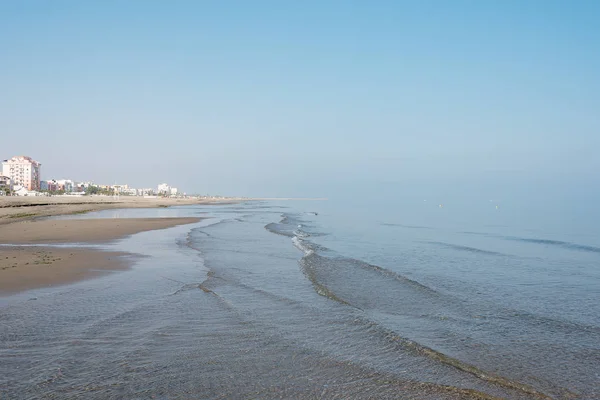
23, 171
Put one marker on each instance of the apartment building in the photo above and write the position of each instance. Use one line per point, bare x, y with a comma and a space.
22, 171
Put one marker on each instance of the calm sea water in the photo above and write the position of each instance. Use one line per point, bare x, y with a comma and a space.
333, 299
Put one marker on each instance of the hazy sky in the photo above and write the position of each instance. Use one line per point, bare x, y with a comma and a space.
302, 98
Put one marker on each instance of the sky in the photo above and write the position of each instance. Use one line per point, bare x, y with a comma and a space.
311, 98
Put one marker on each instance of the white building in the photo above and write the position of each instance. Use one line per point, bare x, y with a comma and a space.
23, 171
19, 190
130, 192
174, 191
163, 189
120, 188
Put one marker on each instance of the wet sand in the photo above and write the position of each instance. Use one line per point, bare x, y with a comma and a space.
23, 268
82, 230
30, 267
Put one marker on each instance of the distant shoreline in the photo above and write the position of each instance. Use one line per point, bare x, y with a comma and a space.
15, 209
28, 260
23, 221
288, 199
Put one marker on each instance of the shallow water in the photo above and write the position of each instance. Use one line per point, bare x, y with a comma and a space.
271, 300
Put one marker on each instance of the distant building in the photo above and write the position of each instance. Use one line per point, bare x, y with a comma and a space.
130, 192
23, 171
51, 185
174, 191
19, 190
5, 183
120, 188
164, 189
65, 185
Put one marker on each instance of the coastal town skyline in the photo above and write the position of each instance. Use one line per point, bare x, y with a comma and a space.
22, 176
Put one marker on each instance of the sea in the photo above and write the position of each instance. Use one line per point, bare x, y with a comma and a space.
332, 299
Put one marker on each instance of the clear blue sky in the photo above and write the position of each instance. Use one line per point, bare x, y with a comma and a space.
302, 98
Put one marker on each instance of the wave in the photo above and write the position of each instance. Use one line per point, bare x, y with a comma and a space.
311, 273
291, 226
460, 365
376, 292
405, 226
315, 266
370, 291
340, 279
557, 243
475, 233
468, 249
280, 229
545, 242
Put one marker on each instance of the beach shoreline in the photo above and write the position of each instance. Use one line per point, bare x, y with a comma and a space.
15, 209
34, 267
29, 261
97, 230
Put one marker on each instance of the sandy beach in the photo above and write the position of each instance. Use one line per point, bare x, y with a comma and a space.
21, 223
14, 209
27, 267
23, 268
82, 230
